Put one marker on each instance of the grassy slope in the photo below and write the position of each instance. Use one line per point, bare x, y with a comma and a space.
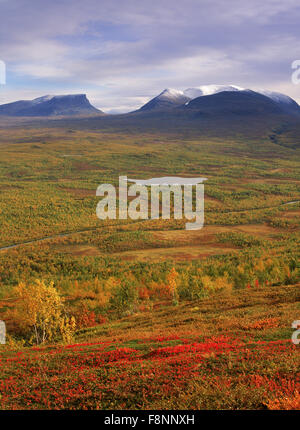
228, 352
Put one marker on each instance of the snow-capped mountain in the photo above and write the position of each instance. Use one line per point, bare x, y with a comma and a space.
166, 99
68, 105
228, 104
78, 104
171, 98
207, 90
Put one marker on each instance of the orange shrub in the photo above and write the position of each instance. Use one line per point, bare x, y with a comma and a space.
85, 318
264, 323
285, 403
144, 293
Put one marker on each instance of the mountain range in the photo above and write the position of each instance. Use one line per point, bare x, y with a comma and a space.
212, 111
206, 99
234, 99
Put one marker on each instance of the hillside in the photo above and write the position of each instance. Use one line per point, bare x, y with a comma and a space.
229, 352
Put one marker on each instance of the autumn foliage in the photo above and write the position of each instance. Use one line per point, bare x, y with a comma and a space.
39, 313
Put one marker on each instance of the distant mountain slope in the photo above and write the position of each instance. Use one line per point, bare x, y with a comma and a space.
286, 102
65, 105
237, 103
169, 98
205, 90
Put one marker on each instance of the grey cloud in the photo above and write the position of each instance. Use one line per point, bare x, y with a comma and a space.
155, 44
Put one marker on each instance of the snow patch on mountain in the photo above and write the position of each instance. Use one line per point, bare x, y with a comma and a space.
41, 99
277, 97
171, 93
166, 99
207, 90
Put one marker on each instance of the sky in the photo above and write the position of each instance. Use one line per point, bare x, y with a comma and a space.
121, 53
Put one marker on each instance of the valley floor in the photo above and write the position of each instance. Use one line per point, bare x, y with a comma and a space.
226, 345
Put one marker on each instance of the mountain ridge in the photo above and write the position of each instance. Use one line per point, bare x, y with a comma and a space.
56, 105
168, 99
171, 98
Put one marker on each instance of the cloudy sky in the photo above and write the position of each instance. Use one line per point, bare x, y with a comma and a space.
123, 52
